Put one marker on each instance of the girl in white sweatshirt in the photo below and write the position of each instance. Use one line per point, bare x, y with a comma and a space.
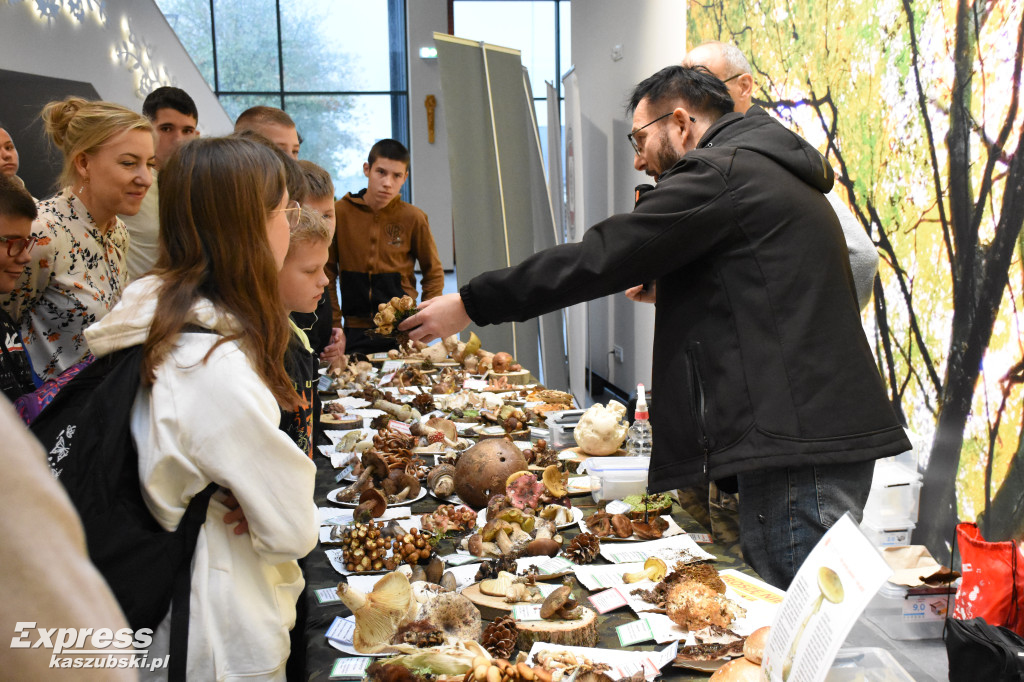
209, 404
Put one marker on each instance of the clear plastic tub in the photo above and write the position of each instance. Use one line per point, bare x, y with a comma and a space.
904, 613
896, 534
895, 495
868, 664
613, 478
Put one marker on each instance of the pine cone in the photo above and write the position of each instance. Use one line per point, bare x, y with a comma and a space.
583, 549
499, 638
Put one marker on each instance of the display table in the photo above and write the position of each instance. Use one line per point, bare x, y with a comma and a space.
924, 660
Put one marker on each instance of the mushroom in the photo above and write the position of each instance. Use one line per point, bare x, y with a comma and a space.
372, 505
496, 505
380, 613
543, 547
622, 526
504, 542
601, 429
441, 480
435, 569
482, 470
410, 488
500, 362
478, 547
600, 524
560, 605
449, 582
552, 478
497, 587
523, 490
373, 465
654, 570
455, 614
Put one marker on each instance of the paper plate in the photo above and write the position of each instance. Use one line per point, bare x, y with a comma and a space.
577, 517
333, 497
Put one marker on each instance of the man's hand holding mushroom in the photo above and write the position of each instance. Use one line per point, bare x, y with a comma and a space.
438, 318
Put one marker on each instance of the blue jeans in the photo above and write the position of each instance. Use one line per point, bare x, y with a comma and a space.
784, 512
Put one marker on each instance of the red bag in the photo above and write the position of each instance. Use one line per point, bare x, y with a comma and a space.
993, 577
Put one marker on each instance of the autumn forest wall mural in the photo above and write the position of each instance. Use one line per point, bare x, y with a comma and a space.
917, 107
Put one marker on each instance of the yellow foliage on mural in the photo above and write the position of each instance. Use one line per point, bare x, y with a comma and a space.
917, 107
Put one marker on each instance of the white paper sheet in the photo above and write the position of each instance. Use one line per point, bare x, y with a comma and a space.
840, 576
670, 550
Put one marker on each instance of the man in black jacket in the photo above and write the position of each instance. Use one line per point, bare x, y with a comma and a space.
761, 367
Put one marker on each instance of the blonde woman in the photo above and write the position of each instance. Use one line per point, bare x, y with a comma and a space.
78, 268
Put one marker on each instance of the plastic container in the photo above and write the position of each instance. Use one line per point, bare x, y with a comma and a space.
868, 664
895, 495
905, 613
613, 478
888, 535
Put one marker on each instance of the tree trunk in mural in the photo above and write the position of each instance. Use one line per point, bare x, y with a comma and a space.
980, 273
933, 168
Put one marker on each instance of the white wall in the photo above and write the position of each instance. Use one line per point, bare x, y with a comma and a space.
63, 47
431, 184
649, 35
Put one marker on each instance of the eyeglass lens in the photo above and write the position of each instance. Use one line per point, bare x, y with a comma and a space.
17, 245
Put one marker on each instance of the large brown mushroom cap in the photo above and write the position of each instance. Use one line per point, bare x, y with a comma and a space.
371, 502
555, 601
372, 459
408, 482
482, 470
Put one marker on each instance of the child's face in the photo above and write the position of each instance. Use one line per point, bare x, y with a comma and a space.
384, 181
11, 266
325, 207
302, 279
173, 128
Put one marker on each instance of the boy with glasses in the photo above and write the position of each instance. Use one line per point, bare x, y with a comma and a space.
17, 211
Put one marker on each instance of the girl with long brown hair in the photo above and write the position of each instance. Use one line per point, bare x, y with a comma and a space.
208, 409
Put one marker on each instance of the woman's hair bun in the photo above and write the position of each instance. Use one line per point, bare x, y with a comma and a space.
57, 116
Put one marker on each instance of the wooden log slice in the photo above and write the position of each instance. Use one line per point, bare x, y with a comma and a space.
345, 422
582, 632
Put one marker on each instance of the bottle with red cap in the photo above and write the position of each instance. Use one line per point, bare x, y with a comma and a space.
639, 437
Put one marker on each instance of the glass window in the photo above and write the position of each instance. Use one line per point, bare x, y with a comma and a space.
525, 26
338, 131
332, 45
247, 48
190, 20
236, 104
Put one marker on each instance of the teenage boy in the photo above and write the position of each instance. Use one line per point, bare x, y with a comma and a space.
301, 282
273, 124
327, 341
175, 118
376, 246
17, 211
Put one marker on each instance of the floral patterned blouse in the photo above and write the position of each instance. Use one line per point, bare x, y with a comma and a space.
75, 277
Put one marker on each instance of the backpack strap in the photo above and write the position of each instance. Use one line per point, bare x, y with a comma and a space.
191, 522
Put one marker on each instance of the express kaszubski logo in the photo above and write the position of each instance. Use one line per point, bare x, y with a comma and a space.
90, 647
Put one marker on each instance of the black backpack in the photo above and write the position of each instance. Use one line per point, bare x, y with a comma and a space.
86, 431
979, 651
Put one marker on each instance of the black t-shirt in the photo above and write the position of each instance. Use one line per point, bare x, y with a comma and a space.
15, 374
302, 367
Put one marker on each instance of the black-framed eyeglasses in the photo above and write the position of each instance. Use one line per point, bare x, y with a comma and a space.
291, 212
632, 141
732, 78
18, 245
